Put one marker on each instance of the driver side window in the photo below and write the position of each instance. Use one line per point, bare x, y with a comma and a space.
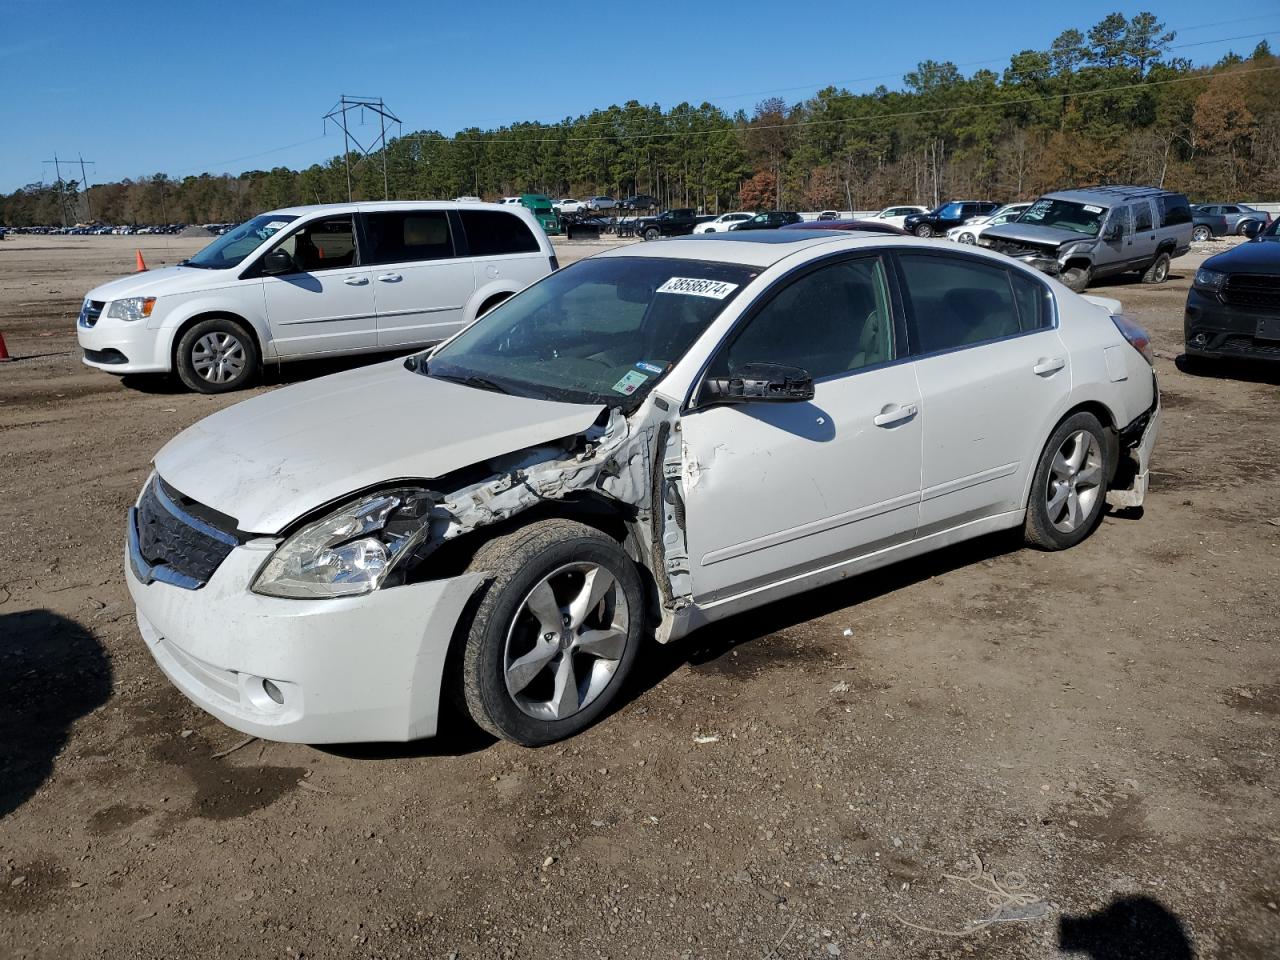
322, 244
832, 320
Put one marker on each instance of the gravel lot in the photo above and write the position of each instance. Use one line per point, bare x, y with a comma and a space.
797, 782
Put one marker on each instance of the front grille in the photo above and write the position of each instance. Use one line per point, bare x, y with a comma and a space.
1011, 248
181, 536
1252, 290
1248, 345
90, 311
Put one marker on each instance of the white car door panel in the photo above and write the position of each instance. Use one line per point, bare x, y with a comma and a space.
321, 308
992, 370
420, 287
775, 489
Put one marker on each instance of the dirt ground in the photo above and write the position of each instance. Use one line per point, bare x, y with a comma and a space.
798, 782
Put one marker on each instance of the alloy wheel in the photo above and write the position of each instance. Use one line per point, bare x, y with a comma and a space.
566, 641
218, 357
1075, 482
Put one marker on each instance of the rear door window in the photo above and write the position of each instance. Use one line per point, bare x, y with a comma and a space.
1034, 300
1142, 217
493, 233
403, 236
956, 301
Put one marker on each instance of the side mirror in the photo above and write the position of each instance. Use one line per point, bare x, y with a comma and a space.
277, 262
1251, 228
760, 383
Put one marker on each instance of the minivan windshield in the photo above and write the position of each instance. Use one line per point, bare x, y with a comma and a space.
1085, 218
598, 331
236, 244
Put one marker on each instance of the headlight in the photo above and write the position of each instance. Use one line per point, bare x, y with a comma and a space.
1210, 280
351, 551
131, 308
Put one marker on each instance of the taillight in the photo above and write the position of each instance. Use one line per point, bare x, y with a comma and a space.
1138, 337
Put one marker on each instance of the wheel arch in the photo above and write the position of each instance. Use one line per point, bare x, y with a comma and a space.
180, 330
488, 296
1110, 429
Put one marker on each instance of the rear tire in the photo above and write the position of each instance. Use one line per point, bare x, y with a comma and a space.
1158, 272
216, 355
1201, 234
1069, 488
1076, 278
559, 590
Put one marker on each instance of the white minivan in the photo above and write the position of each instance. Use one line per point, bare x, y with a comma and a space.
314, 281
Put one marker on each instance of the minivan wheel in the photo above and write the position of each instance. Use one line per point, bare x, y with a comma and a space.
1076, 278
1158, 272
1069, 488
1200, 233
554, 632
924, 230
216, 356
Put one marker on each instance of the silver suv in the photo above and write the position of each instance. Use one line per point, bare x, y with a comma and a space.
1079, 235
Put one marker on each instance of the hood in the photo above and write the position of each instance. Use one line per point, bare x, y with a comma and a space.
155, 283
1034, 233
1256, 256
271, 459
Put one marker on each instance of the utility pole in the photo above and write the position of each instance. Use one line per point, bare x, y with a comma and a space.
62, 190
62, 196
84, 186
339, 115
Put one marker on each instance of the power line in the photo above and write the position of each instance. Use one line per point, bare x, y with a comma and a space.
339, 115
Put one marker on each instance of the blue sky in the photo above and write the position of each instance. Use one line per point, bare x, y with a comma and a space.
189, 87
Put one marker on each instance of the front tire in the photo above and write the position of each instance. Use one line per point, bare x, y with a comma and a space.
924, 231
554, 634
216, 355
1076, 279
967, 238
1069, 487
652, 233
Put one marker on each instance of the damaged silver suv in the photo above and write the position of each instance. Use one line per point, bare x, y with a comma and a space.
1081, 235
642, 443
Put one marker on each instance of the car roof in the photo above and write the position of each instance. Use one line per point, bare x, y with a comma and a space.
387, 204
764, 248
1106, 195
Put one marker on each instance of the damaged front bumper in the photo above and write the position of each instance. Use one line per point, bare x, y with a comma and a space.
339, 670
1137, 440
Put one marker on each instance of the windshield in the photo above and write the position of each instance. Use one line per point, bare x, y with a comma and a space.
948, 211
599, 331
234, 245
1084, 218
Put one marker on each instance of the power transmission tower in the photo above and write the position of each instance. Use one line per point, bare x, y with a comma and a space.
339, 115
62, 190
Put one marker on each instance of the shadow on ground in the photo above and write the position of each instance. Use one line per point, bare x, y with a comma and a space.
52, 672
1246, 371
1129, 928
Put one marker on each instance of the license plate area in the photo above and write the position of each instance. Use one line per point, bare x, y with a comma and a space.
1269, 328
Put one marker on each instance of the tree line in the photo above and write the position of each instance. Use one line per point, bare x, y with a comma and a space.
1109, 104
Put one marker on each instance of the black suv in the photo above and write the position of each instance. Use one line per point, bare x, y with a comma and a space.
640, 201
939, 220
771, 220
673, 223
1233, 306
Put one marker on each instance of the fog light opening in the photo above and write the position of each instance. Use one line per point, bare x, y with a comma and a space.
272, 691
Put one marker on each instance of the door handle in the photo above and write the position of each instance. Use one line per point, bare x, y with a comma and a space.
895, 413
390, 277
355, 281
1046, 366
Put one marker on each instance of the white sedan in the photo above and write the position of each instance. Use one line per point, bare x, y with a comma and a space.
970, 231
568, 205
643, 443
896, 216
723, 223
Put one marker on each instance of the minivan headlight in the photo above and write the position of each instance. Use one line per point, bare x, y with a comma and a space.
131, 308
1210, 280
350, 551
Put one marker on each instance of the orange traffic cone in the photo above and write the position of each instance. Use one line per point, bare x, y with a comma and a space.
4, 351
142, 264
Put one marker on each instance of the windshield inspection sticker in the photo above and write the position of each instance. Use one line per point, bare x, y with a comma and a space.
650, 368
631, 381
1090, 208
692, 286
